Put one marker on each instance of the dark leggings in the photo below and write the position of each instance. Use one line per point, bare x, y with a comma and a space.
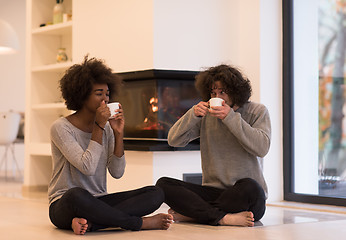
122, 209
208, 205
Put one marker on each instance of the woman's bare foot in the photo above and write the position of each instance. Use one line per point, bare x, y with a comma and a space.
177, 217
244, 219
79, 226
159, 221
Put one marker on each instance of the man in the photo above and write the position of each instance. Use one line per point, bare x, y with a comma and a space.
233, 139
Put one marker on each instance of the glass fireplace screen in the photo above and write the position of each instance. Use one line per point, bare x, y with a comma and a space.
152, 106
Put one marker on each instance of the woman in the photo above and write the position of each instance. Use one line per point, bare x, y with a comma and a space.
85, 145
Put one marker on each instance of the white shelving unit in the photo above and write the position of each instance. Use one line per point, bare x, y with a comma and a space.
43, 98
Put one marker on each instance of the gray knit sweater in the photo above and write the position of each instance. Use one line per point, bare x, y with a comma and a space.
232, 148
79, 161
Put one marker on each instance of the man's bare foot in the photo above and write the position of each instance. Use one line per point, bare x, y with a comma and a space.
177, 217
159, 221
244, 219
79, 226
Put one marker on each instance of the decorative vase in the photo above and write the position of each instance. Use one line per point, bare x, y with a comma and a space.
58, 12
61, 56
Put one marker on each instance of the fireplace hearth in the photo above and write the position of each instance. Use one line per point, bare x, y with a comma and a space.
153, 100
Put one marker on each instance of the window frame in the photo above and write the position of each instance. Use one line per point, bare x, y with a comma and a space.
288, 115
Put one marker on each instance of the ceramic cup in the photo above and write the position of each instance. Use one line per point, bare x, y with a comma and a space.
215, 102
112, 107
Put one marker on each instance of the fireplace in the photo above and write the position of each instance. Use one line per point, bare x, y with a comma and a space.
153, 100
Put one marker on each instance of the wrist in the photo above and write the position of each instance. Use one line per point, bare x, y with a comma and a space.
118, 134
100, 126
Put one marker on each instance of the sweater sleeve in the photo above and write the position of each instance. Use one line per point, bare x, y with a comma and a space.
186, 129
116, 166
254, 135
85, 161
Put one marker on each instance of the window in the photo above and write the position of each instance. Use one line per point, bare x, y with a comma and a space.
314, 101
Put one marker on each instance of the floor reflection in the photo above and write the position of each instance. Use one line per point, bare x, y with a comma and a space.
279, 215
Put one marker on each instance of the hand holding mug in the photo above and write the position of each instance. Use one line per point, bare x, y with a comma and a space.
102, 114
218, 108
201, 109
113, 107
116, 119
216, 102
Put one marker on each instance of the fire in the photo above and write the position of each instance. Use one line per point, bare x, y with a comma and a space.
153, 101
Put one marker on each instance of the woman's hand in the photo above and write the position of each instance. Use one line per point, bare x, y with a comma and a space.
201, 109
118, 122
102, 114
220, 111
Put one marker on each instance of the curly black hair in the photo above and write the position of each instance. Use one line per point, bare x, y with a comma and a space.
237, 86
77, 83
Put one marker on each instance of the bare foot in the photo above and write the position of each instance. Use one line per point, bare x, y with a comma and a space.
79, 226
177, 217
159, 221
244, 219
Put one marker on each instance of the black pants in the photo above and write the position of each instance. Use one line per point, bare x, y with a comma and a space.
123, 209
208, 205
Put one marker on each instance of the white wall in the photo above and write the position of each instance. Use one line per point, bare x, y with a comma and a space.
175, 164
12, 74
145, 168
195, 34
271, 91
118, 31
12, 68
187, 33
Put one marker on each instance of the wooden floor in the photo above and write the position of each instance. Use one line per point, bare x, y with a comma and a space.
26, 217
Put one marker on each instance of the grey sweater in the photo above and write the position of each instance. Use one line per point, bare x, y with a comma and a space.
232, 148
79, 161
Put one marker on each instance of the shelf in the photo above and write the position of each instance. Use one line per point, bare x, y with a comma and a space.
55, 29
44, 102
56, 67
40, 149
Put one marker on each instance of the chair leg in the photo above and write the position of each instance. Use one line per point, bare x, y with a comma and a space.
4, 160
15, 162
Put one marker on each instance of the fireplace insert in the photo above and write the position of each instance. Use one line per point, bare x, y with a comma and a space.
153, 100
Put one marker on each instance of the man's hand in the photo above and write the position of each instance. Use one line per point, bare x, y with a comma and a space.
201, 109
221, 111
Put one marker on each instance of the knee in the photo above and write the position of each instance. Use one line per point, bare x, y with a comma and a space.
246, 181
76, 194
163, 181
251, 186
160, 194
155, 194
157, 191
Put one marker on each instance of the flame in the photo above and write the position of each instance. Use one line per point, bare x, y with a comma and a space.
153, 101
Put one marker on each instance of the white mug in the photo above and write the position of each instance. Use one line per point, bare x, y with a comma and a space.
112, 107
215, 102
